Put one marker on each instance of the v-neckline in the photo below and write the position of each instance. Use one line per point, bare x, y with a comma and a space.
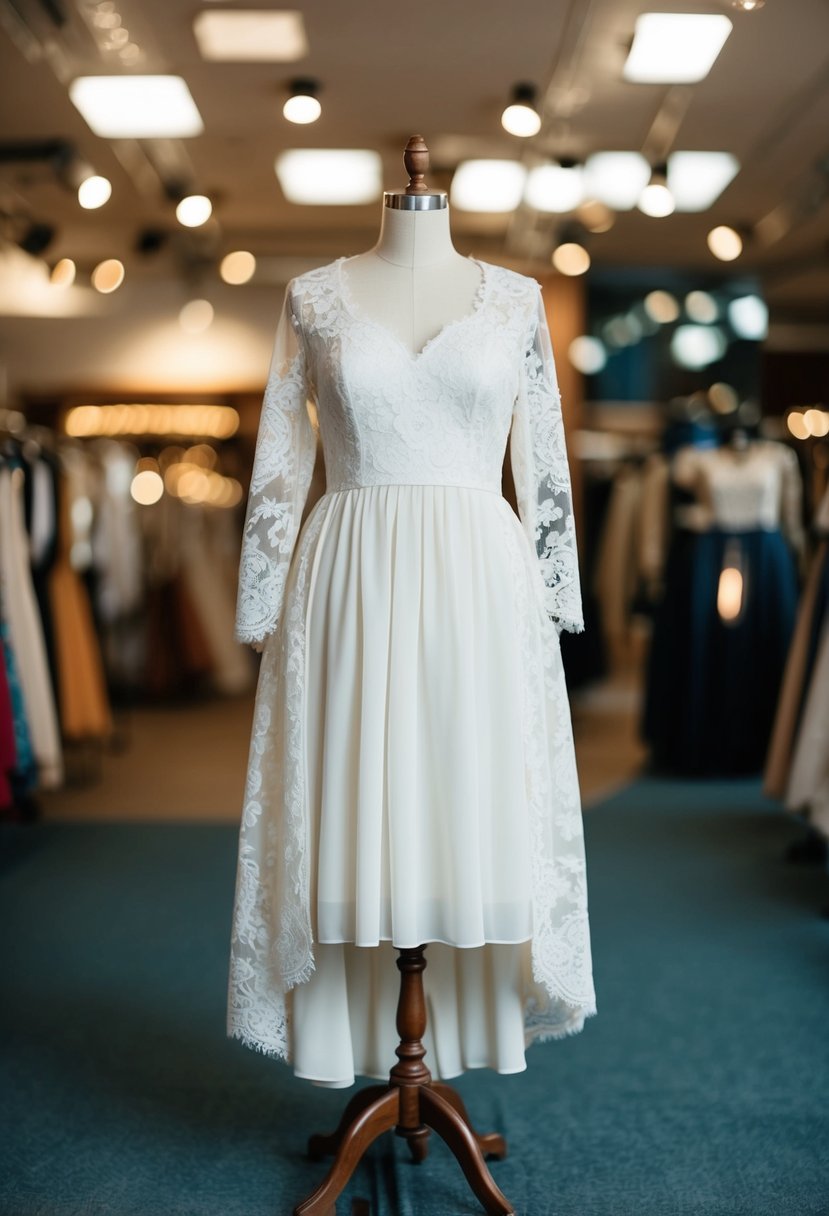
414, 357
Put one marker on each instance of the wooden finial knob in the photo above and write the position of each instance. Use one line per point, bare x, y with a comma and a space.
416, 160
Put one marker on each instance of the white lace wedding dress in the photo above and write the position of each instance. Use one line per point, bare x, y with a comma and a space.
411, 775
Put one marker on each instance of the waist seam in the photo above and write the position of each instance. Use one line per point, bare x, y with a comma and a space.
436, 485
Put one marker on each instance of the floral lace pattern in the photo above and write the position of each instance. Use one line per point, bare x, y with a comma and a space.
542, 475
282, 469
442, 416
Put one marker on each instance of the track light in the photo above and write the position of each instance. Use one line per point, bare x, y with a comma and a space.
302, 106
521, 116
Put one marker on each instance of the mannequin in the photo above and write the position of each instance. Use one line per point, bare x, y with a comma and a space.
412, 784
413, 281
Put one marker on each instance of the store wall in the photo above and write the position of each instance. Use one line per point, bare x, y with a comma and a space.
133, 341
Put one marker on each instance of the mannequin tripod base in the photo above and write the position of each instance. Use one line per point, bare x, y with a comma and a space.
411, 1104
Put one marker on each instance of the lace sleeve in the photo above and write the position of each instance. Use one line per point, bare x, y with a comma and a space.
282, 468
538, 460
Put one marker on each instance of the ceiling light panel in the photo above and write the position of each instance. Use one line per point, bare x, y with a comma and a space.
136, 107
696, 179
553, 188
330, 176
488, 185
673, 48
616, 178
251, 35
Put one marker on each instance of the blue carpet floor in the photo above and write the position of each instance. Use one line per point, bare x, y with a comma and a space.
701, 1089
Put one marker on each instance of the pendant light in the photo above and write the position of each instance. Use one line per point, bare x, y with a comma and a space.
656, 199
521, 116
302, 106
194, 210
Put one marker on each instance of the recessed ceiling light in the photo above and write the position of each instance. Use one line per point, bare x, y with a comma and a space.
571, 258
251, 35
488, 185
63, 273
329, 176
725, 243
136, 107
108, 276
696, 179
196, 316
670, 48
237, 267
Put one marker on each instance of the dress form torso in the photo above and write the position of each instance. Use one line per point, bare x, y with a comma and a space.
413, 281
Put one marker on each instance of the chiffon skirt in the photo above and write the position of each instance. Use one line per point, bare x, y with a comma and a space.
415, 763
411, 780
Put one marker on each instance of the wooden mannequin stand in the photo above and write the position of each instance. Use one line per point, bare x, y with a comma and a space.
411, 1103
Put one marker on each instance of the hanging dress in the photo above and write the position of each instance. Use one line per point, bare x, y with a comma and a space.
722, 630
411, 775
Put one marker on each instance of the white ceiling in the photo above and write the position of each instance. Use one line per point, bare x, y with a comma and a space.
443, 70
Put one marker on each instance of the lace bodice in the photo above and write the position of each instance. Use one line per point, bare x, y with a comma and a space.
758, 488
440, 416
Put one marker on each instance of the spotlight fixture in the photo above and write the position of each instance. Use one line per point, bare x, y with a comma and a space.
747, 6
302, 106
656, 199
521, 116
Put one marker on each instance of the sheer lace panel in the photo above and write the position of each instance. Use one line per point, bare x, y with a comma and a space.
538, 458
282, 469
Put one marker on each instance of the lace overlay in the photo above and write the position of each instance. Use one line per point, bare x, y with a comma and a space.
542, 475
282, 469
440, 417
561, 958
